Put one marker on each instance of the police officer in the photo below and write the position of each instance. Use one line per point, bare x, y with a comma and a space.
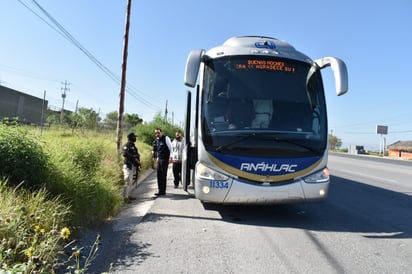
131, 166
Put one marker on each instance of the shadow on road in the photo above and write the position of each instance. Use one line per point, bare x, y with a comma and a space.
350, 207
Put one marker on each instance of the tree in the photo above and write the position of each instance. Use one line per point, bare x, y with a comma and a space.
132, 120
334, 142
84, 118
51, 117
110, 121
89, 117
145, 132
74, 120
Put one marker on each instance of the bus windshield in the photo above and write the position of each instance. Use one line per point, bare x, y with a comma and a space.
278, 102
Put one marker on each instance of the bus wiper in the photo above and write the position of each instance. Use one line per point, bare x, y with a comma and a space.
296, 144
219, 148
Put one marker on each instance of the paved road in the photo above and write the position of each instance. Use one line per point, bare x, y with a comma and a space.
115, 233
360, 228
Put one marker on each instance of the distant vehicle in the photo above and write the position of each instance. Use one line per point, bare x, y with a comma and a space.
259, 130
356, 149
360, 150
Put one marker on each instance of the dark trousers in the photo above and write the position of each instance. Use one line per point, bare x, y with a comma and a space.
177, 173
162, 166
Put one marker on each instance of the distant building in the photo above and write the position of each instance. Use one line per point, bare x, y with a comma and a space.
24, 107
401, 150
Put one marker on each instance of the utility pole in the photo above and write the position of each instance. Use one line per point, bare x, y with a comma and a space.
173, 118
123, 83
165, 117
64, 89
42, 113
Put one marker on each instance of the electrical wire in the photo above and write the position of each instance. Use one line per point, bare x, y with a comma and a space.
56, 26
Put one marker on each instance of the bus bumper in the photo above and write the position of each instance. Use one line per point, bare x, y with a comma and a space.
244, 192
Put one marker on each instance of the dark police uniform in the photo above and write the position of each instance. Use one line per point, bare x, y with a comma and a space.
131, 166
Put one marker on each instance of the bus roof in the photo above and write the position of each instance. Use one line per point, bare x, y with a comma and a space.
257, 45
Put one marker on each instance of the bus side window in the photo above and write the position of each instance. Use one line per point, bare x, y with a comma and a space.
216, 112
315, 121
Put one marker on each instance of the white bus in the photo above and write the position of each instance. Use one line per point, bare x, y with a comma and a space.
257, 133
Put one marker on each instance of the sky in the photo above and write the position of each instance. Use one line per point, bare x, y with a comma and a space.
373, 38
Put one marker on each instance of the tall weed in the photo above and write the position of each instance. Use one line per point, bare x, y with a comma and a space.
32, 229
22, 158
90, 174
52, 181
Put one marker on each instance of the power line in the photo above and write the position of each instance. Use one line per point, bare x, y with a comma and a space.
65, 34
387, 120
32, 11
401, 131
71, 39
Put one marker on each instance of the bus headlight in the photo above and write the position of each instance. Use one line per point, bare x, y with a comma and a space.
321, 176
209, 174
206, 189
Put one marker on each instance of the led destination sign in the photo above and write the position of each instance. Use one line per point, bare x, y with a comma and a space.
264, 65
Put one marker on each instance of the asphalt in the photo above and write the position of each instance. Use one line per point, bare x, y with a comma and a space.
115, 232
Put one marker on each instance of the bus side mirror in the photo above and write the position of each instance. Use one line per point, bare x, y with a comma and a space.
340, 72
192, 67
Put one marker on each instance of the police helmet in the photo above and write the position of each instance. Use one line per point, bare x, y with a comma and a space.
131, 137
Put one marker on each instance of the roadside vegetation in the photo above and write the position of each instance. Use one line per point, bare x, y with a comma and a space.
55, 182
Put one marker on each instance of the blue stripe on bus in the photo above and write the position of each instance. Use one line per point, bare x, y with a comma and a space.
265, 169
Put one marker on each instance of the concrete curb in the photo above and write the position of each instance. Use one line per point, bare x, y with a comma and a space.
143, 175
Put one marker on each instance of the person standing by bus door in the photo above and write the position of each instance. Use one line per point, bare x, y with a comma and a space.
131, 166
164, 146
176, 157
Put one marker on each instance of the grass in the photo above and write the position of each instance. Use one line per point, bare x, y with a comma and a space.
52, 185
32, 229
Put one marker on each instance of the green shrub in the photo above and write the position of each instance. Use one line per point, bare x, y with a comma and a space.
86, 157
90, 174
145, 132
69, 179
22, 159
